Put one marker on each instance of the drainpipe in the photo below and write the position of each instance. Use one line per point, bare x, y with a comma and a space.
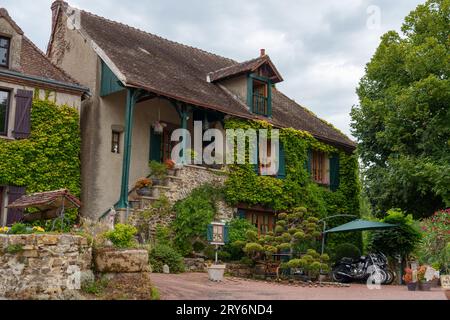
184, 119
131, 102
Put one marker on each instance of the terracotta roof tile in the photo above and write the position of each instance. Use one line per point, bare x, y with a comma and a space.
35, 63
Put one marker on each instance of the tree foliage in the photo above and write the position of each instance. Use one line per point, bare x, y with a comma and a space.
401, 240
403, 120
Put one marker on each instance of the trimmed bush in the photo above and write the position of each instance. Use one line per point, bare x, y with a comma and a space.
163, 254
346, 250
122, 236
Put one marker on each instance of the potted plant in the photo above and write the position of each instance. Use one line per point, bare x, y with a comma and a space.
142, 187
170, 165
158, 172
408, 278
424, 285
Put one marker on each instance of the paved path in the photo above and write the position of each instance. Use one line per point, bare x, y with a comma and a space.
196, 286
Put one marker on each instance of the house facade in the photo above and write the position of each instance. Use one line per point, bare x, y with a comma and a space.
26, 73
141, 83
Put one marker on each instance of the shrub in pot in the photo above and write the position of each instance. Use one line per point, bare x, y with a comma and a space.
143, 187
158, 172
408, 278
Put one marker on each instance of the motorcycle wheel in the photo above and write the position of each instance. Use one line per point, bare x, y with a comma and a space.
379, 276
339, 277
390, 276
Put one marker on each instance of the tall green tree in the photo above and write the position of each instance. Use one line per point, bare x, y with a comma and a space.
402, 122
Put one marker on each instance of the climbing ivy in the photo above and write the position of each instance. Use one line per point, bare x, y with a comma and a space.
50, 158
296, 189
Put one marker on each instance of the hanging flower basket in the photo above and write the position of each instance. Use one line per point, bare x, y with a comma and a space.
158, 127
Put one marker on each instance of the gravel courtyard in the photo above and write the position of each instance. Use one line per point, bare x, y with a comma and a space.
196, 286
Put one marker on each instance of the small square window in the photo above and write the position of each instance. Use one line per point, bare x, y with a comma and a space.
4, 51
115, 142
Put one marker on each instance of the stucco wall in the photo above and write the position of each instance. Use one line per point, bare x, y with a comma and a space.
237, 86
15, 45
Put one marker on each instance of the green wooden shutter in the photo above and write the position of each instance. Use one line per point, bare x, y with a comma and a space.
155, 146
334, 172
256, 166
226, 234
209, 233
282, 165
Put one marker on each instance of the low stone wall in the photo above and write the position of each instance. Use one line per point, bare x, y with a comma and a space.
43, 266
195, 265
239, 270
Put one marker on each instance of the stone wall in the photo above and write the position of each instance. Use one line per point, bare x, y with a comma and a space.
195, 265
43, 266
188, 178
239, 270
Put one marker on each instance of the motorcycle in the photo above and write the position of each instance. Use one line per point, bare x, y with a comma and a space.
373, 265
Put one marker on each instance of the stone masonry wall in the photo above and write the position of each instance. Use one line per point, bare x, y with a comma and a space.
189, 178
43, 266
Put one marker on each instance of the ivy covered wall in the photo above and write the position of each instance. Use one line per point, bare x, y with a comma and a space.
50, 158
297, 189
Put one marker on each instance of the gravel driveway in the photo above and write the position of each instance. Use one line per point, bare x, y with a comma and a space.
196, 286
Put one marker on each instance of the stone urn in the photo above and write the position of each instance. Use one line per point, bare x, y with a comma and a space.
112, 260
216, 272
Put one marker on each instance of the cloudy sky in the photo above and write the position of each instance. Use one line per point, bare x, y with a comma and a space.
320, 47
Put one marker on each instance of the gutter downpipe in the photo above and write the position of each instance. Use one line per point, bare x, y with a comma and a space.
130, 104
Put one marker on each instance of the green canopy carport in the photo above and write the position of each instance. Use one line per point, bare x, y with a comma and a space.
360, 225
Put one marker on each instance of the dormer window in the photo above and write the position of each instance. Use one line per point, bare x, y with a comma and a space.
259, 95
4, 51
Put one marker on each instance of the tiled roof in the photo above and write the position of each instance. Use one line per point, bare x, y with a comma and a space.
33, 62
178, 71
242, 68
46, 199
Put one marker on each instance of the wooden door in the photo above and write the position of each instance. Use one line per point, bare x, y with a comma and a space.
263, 221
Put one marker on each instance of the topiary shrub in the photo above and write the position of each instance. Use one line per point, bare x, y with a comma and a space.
345, 250
163, 254
122, 236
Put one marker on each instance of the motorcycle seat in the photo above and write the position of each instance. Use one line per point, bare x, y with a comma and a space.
347, 260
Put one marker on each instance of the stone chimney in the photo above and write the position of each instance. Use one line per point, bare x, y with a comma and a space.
263, 52
57, 7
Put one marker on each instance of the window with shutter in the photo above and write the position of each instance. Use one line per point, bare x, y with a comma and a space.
320, 164
4, 111
22, 125
14, 215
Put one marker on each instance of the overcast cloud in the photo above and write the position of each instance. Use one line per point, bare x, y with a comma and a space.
320, 47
